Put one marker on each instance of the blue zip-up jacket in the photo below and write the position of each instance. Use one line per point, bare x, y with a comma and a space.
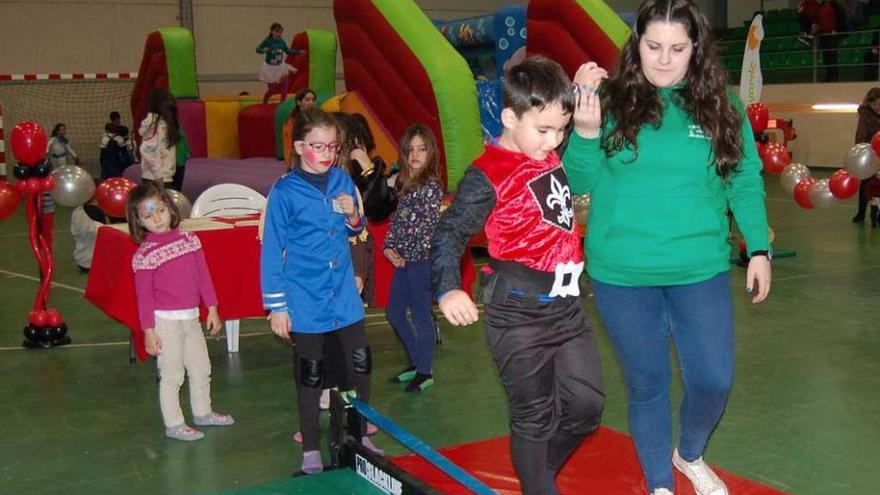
305, 265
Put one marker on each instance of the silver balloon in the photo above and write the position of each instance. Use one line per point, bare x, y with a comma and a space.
181, 202
792, 174
821, 195
73, 186
861, 161
581, 205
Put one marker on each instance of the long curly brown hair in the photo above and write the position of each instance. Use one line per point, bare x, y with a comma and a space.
632, 102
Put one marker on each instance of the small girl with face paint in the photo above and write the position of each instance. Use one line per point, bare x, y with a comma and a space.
306, 272
408, 247
171, 279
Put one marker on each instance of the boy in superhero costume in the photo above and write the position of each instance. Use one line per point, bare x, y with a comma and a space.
536, 324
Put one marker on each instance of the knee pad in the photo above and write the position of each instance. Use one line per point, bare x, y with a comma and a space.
363, 360
311, 372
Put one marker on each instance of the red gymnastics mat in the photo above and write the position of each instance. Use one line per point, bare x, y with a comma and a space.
605, 464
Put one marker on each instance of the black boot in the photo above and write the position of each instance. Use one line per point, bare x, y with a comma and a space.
875, 216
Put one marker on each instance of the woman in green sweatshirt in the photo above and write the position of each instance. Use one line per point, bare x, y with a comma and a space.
665, 150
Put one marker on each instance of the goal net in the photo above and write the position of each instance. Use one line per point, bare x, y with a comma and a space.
82, 105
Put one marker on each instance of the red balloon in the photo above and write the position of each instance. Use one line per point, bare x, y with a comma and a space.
776, 158
762, 149
53, 317
802, 193
759, 117
38, 317
33, 185
47, 183
875, 143
29, 143
10, 196
21, 185
843, 185
112, 195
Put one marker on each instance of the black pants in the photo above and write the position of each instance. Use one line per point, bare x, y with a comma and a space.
863, 201
308, 366
549, 365
177, 180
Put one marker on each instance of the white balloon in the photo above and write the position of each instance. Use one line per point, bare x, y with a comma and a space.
792, 174
73, 186
182, 203
821, 195
861, 161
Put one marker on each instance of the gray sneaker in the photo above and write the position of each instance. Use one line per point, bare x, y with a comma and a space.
184, 432
214, 419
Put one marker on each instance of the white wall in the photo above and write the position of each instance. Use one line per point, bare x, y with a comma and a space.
823, 138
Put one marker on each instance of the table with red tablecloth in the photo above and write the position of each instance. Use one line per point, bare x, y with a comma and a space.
232, 252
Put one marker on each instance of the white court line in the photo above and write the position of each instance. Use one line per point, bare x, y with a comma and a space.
35, 279
219, 337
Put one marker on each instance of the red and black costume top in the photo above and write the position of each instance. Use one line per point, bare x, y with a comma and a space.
524, 206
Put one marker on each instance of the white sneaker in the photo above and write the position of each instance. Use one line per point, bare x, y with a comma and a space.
324, 402
661, 491
705, 481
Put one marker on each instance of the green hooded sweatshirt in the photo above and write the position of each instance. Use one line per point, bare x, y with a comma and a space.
660, 218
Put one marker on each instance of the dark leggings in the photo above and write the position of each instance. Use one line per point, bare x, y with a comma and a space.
549, 365
308, 368
863, 200
281, 87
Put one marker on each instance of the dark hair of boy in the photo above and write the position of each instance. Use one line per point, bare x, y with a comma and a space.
139, 194
537, 82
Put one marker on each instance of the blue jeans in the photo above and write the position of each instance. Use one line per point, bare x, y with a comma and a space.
411, 289
639, 321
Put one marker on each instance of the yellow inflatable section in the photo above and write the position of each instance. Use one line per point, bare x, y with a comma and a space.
221, 121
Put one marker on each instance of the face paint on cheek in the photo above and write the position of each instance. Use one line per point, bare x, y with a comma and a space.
311, 157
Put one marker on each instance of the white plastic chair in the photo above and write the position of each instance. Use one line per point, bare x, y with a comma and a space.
228, 200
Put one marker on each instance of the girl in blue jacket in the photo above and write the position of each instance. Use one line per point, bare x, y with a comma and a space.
306, 271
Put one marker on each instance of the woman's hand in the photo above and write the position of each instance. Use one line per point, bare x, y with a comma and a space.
212, 322
395, 258
588, 112
759, 273
363, 159
279, 322
153, 342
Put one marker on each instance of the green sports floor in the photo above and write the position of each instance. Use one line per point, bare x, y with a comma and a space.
804, 415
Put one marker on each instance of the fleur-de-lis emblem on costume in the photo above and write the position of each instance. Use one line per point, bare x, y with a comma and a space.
560, 195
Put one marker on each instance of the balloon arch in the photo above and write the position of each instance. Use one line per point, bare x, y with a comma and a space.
861, 162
